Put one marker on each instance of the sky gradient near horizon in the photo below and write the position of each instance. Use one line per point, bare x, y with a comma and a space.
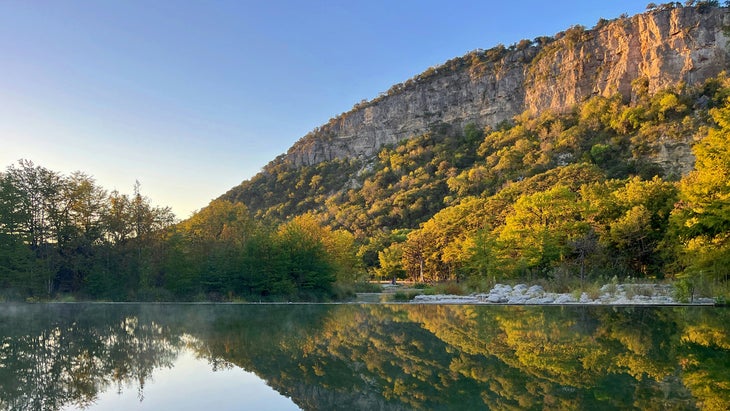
193, 97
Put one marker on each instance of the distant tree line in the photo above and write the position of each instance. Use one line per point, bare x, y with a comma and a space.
689, 3
65, 235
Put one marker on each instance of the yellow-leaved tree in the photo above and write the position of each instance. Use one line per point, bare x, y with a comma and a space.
536, 235
702, 217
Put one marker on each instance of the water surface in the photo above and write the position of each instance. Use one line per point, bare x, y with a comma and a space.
392, 357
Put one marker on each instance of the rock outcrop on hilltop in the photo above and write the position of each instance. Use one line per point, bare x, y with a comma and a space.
663, 48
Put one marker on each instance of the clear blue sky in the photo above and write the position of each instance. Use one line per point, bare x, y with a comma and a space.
192, 97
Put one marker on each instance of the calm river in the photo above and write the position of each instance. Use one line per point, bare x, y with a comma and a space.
362, 357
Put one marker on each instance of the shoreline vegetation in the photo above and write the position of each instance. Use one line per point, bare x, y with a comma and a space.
611, 294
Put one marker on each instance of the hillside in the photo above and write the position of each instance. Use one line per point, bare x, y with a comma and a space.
626, 58
446, 159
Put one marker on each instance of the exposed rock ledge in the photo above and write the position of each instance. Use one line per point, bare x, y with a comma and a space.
681, 45
610, 294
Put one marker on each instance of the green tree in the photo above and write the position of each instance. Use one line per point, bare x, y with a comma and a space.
480, 259
702, 218
16, 257
220, 221
131, 255
32, 199
414, 257
636, 234
79, 230
213, 241
537, 234
440, 238
391, 263
307, 262
339, 246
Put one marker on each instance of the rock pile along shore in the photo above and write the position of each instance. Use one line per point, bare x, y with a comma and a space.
522, 294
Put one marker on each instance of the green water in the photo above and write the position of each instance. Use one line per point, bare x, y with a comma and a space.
362, 357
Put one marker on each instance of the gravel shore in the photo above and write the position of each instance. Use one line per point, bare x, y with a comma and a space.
610, 294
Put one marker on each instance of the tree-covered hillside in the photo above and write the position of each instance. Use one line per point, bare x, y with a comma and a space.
599, 191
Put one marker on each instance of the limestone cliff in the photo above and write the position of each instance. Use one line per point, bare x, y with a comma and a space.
664, 47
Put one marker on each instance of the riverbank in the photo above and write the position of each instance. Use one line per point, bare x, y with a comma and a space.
523, 294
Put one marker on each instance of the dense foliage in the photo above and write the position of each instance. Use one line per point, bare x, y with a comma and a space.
224, 253
62, 234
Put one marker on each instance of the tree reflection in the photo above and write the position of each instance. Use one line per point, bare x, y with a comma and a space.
52, 356
379, 356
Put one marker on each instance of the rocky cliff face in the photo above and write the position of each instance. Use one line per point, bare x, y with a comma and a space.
664, 47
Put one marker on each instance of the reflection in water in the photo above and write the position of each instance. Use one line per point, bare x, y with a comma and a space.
372, 356
191, 386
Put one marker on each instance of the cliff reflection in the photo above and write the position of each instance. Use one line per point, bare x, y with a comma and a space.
379, 356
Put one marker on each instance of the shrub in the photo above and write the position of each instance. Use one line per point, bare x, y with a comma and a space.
684, 290
404, 296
